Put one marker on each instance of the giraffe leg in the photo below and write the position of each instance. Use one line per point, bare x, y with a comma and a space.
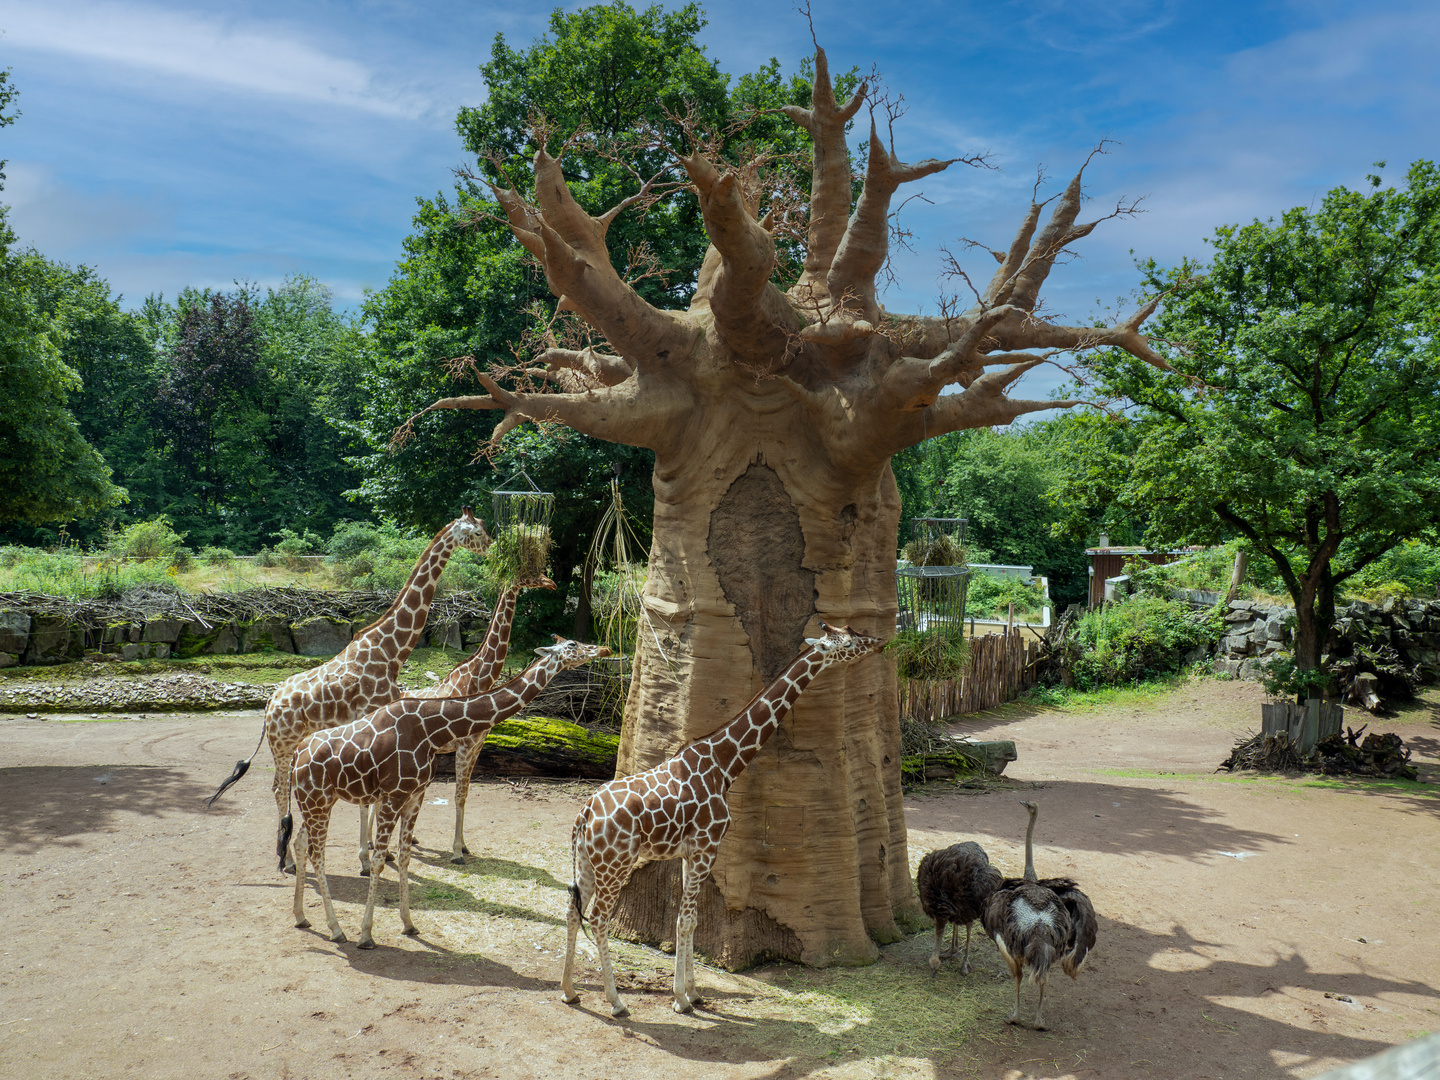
316, 847
935, 953
366, 820
600, 911
965, 964
402, 862
466, 754
697, 869
302, 845
385, 817
584, 886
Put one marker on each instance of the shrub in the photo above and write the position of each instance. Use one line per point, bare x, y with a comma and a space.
155, 538
992, 595
1137, 639
216, 556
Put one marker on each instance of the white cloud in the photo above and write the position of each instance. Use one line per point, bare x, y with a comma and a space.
169, 44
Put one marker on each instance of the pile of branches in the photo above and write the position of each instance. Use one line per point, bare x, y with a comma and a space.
1393, 678
144, 602
1265, 753
927, 753
1378, 755
1057, 654
1335, 755
590, 696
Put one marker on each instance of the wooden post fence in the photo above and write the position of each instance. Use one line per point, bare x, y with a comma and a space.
1000, 668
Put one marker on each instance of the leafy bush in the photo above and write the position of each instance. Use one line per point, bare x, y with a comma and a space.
1412, 569
1137, 639
928, 656
352, 539
152, 539
992, 594
216, 556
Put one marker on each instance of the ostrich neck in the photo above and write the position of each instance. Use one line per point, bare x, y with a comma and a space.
1030, 850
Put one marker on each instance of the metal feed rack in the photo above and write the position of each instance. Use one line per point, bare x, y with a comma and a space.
515, 505
932, 598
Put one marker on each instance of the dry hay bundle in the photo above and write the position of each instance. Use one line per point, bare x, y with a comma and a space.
519, 552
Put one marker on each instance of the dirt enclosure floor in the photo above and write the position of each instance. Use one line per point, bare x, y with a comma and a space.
1249, 927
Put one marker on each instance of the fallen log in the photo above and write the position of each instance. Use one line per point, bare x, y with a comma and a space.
540, 746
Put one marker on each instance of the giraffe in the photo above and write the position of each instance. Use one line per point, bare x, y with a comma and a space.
678, 810
364, 676
475, 676
387, 759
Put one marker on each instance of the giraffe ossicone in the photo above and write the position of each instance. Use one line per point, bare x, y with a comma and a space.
363, 677
387, 760
679, 810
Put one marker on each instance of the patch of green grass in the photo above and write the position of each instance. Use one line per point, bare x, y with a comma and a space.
1146, 692
1351, 784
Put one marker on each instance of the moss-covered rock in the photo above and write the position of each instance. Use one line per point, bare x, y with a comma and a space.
540, 746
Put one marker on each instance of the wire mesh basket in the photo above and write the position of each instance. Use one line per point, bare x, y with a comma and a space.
932, 599
518, 501
522, 528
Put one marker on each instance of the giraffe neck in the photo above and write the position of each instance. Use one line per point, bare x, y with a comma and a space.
406, 617
735, 745
462, 718
497, 641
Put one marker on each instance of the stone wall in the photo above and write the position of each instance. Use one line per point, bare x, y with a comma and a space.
44, 637
1254, 632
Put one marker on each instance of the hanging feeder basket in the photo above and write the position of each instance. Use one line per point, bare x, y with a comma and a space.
932, 599
521, 514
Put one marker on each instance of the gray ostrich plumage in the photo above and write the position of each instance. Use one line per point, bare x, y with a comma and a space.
955, 883
1039, 923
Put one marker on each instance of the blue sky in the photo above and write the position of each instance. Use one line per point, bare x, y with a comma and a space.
189, 143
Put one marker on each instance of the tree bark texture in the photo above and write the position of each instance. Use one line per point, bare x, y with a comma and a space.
773, 416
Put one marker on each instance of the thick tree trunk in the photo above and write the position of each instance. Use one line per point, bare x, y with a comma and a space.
756, 536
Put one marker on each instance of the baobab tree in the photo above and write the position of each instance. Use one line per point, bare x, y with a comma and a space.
773, 416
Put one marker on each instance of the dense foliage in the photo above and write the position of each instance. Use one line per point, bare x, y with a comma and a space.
1303, 411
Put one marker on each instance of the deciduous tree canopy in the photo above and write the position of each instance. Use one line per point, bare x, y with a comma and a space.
1301, 410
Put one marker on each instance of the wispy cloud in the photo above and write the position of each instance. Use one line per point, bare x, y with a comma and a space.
260, 58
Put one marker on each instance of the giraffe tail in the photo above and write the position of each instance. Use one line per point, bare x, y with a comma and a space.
241, 768
282, 842
577, 898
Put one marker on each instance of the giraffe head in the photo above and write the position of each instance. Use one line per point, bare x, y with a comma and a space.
469, 532
572, 654
541, 582
842, 645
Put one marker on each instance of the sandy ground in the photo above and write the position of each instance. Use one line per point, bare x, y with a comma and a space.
1250, 927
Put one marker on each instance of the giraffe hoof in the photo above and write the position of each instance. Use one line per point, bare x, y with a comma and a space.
569, 999
366, 943
411, 931
364, 871
1013, 1019
620, 1013
464, 850
339, 938
303, 924
458, 860
965, 969
683, 1009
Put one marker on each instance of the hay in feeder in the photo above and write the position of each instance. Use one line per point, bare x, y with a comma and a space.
922, 655
519, 553
936, 549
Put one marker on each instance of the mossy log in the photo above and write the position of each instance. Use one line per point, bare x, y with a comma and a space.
539, 746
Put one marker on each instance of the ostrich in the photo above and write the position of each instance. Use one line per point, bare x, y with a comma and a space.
1035, 923
955, 884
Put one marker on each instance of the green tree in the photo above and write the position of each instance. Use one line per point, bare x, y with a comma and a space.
466, 288
1303, 409
48, 472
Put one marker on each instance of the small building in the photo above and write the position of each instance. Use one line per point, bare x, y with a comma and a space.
1108, 563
